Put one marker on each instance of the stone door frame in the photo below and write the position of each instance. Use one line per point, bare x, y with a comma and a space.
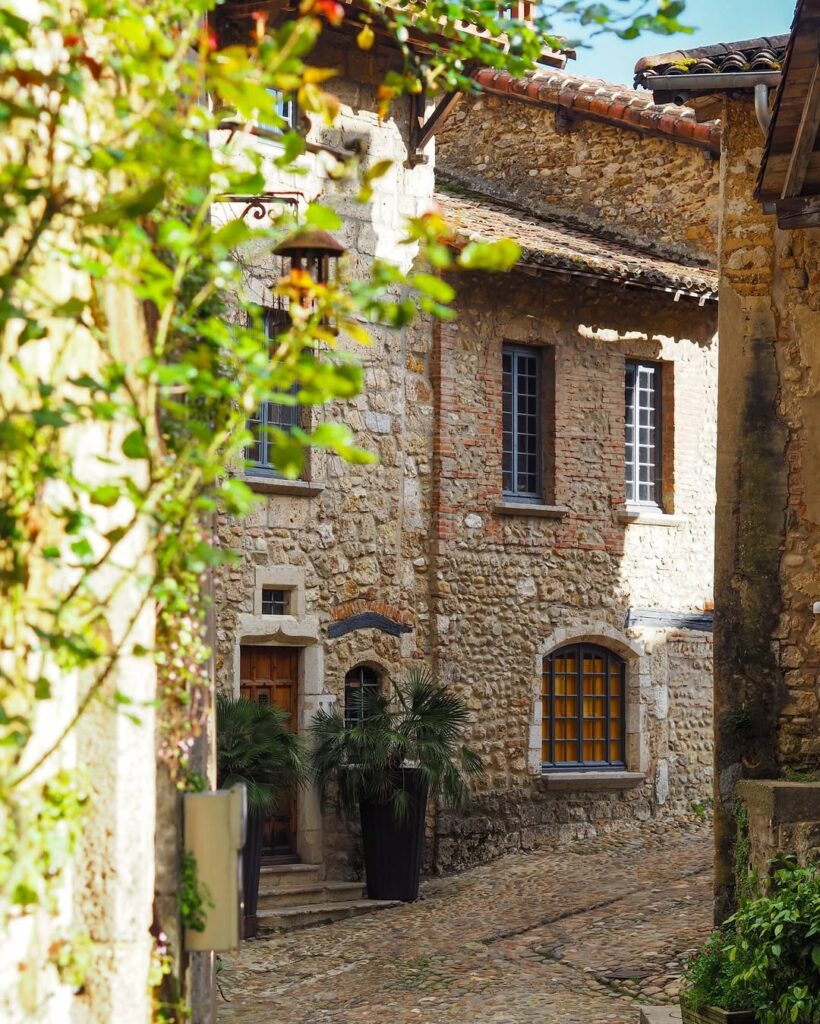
302, 632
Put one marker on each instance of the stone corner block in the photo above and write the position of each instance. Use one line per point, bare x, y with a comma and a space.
780, 802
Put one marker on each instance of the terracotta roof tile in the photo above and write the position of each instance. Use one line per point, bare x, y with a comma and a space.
555, 246
764, 54
591, 97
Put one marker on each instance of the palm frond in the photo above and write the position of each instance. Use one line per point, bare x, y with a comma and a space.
421, 729
255, 747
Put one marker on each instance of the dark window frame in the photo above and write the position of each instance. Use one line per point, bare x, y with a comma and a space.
270, 414
276, 605
512, 435
369, 679
549, 763
634, 368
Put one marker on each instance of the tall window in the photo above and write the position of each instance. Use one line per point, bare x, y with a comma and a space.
361, 683
643, 433
522, 414
583, 692
270, 415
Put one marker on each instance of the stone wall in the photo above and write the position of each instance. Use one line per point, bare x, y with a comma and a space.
655, 192
417, 539
346, 537
767, 657
507, 588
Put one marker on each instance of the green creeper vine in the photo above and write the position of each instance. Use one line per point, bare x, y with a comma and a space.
194, 898
131, 356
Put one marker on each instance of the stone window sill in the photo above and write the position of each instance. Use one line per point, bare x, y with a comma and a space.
521, 508
591, 781
647, 517
276, 485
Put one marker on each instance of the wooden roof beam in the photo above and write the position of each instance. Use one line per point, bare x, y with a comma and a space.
806, 135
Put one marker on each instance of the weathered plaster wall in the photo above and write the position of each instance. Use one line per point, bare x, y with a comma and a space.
106, 894
768, 524
653, 191
504, 585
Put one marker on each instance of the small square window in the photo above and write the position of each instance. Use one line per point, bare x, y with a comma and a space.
274, 602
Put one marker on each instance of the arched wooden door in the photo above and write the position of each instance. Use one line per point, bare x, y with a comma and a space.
270, 675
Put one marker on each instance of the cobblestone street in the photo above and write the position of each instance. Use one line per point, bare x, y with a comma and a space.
579, 935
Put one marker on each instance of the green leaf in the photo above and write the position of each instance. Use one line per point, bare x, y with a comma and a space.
42, 689
322, 217
105, 495
494, 256
434, 287
134, 446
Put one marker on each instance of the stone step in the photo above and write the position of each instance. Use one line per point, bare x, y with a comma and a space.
286, 919
278, 877
660, 1015
319, 892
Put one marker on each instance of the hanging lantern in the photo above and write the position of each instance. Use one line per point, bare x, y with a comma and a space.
311, 250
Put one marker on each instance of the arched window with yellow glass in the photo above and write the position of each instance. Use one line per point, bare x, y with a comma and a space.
583, 700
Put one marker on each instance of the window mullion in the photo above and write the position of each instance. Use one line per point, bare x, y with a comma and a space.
579, 689
515, 434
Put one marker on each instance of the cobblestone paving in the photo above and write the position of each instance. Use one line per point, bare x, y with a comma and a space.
579, 935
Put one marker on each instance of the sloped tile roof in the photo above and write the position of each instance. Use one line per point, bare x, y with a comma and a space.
554, 246
764, 54
615, 104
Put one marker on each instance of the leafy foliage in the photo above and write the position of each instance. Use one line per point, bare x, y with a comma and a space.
131, 354
711, 977
777, 945
193, 897
766, 957
255, 747
420, 726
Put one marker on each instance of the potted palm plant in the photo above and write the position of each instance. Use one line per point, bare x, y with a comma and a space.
386, 762
254, 746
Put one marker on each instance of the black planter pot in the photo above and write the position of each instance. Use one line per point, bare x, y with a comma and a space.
251, 868
393, 849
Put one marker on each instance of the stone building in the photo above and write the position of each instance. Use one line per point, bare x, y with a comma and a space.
498, 539
767, 665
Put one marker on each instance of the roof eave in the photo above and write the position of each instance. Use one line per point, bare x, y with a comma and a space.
536, 262
679, 88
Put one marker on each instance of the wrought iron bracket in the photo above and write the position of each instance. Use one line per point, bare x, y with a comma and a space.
257, 206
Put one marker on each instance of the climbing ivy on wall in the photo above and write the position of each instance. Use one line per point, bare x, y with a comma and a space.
125, 384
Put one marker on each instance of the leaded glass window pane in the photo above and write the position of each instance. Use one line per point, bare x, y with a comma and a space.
583, 716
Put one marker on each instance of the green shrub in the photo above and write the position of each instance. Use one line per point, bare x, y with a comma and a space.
777, 945
765, 958
711, 975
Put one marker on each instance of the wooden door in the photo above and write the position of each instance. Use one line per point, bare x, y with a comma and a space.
269, 675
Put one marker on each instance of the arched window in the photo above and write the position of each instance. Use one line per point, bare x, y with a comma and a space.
583, 695
360, 683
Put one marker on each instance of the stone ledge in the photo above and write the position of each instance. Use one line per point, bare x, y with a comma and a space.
591, 781
779, 802
276, 485
660, 1015
647, 517
521, 508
